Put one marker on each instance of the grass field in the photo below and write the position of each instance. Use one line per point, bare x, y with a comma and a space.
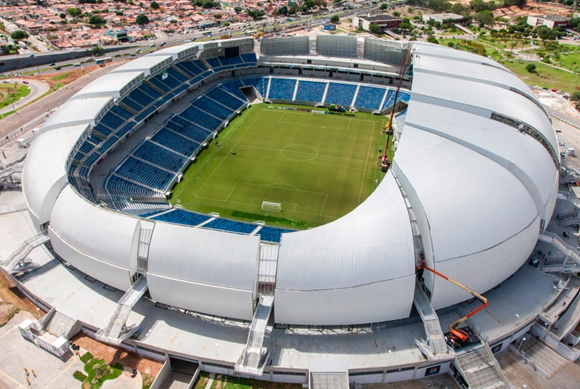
319, 167
545, 76
12, 93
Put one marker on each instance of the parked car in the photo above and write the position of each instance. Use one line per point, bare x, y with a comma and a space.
25, 82
77, 64
52, 64
57, 68
162, 44
31, 56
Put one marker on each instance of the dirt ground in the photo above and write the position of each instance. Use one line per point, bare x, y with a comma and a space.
442, 381
11, 294
7, 310
110, 354
73, 75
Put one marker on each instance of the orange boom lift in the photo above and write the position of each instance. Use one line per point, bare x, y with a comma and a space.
456, 335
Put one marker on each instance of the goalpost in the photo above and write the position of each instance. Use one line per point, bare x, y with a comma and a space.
269, 206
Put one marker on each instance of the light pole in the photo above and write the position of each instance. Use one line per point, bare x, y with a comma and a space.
522, 341
91, 316
216, 351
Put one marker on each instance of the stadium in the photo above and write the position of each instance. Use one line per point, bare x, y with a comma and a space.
222, 203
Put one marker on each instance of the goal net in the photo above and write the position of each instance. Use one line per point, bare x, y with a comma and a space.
271, 207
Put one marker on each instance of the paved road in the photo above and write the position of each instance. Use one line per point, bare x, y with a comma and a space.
38, 88
20, 118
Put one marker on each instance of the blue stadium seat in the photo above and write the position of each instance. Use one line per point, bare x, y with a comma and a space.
157, 82
282, 88
234, 88
212, 108
160, 156
149, 91
185, 69
118, 186
113, 121
310, 91
180, 216
260, 83
214, 62
132, 104
230, 60
175, 142
201, 118
369, 97
271, 234
121, 112
108, 143
225, 98
200, 65
230, 225
340, 94
144, 173
190, 130
102, 129
249, 58
87, 147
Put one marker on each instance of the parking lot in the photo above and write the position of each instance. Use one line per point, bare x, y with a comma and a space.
16, 354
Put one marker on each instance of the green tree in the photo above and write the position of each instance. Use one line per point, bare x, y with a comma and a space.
432, 39
154, 5
374, 28
142, 20
96, 20
19, 35
217, 16
485, 18
238, 9
384, 6
396, 14
73, 12
334, 19
62, 15
257, 14
575, 97
531, 68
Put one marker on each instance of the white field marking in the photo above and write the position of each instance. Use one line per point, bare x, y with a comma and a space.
283, 184
298, 152
281, 202
217, 167
366, 163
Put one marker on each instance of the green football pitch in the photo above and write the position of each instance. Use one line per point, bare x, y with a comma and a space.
318, 167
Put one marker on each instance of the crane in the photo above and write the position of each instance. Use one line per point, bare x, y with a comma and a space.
404, 63
458, 336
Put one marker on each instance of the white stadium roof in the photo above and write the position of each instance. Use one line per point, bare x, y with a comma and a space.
477, 187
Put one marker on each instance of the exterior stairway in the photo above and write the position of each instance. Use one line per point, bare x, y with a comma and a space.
435, 347
481, 370
559, 243
115, 331
254, 357
25, 248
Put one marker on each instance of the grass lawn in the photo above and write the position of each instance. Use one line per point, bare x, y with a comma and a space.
545, 76
319, 167
60, 76
568, 60
228, 382
115, 371
12, 92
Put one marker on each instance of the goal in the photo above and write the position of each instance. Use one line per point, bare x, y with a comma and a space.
271, 207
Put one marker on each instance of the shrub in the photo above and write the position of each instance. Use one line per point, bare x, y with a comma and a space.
86, 357
531, 67
79, 376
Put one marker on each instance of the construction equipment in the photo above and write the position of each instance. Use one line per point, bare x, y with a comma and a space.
336, 108
404, 63
459, 337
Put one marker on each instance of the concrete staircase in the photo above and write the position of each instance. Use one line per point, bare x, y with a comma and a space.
115, 331
25, 248
481, 370
435, 347
254, 356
